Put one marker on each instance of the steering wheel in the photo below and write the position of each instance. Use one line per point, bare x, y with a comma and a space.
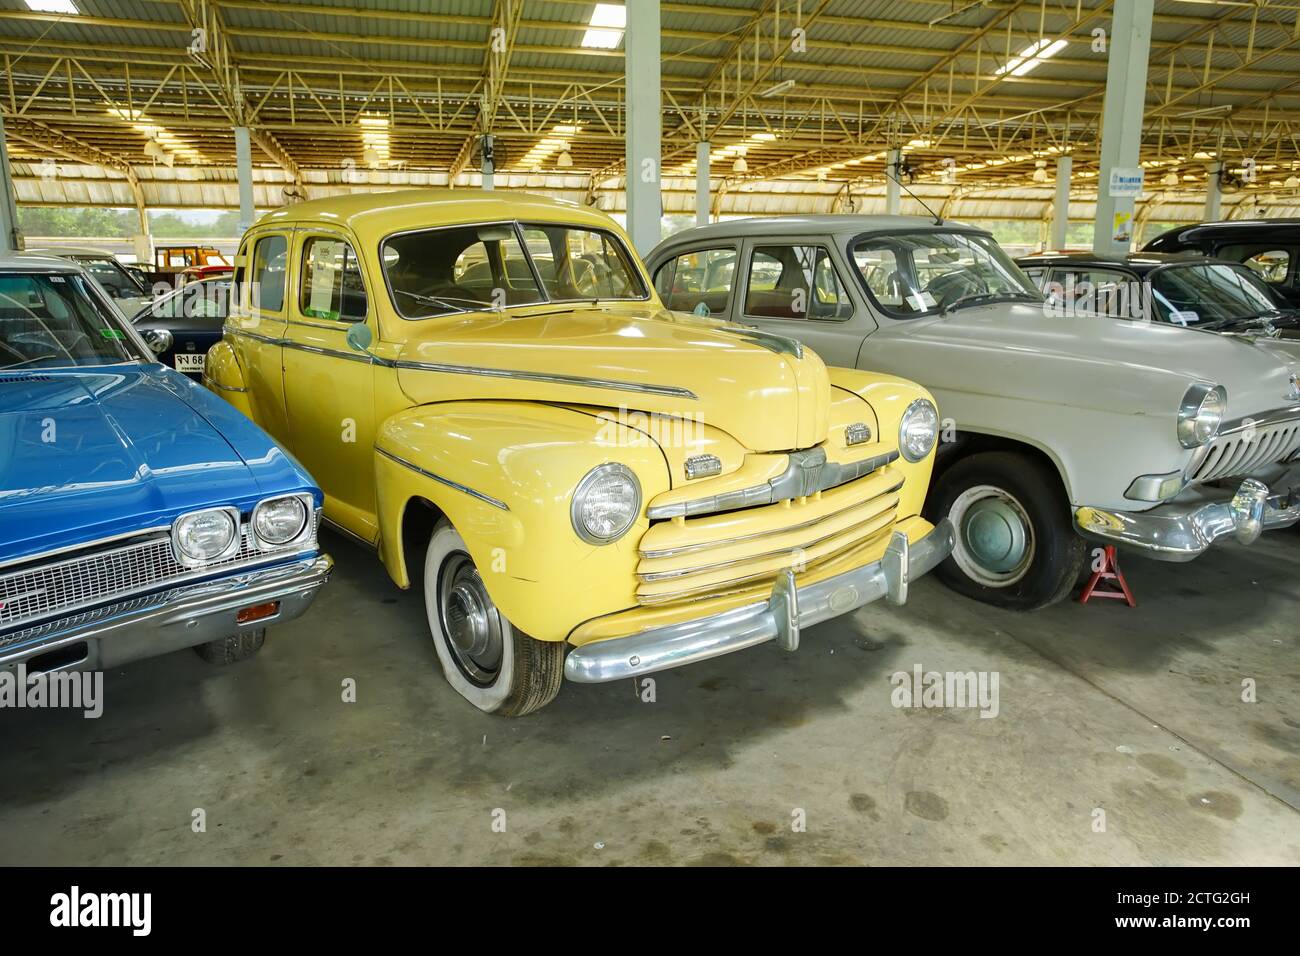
951, 286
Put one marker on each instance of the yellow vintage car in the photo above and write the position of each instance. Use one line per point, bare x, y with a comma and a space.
491, 395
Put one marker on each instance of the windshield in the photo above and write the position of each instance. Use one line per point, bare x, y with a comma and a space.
921, 273
209, 299
470, 268
119, 283
1210, 293
55, 319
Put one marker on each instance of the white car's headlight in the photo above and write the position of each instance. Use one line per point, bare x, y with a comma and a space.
918, 430
1200, 414
606, 504
277, 521
204, 536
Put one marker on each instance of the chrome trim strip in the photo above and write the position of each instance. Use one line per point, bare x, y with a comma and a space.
142, 533
780, 618
670, 391
332, 353
445, 481
727, 542
225, 388
351, 535
807, 473
1274, 416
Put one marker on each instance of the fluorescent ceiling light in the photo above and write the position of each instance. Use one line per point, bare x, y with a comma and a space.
1031, 57
777, 89
53, 6
608, 21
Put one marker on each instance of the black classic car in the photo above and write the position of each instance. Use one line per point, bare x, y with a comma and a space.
189, 322
1271, 247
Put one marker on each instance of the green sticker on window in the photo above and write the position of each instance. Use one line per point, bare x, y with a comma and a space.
112, 333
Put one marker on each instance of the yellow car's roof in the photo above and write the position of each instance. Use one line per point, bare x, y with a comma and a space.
373, 215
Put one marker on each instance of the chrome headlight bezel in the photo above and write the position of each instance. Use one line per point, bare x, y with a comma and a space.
301, 534
231, 547
584, 488
917, 407
1191, 427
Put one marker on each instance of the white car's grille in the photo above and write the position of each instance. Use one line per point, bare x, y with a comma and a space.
137, 566
1243, 451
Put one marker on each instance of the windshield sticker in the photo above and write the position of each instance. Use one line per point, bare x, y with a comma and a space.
1184, 318
56, 278
112, 333
921, 301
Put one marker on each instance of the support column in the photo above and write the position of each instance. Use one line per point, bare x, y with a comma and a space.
488, 153
1121, 125
1213, 193
702, 185
244, 170
8, 200
893, 194
1061, 207
644, 122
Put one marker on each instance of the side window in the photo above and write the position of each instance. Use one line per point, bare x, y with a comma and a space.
880, 268
268, 279
795, 282
1271, 265
331, 286
698, 279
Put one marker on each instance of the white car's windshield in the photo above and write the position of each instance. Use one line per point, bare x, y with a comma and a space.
55, 319
472, 268
923, 273
119, 283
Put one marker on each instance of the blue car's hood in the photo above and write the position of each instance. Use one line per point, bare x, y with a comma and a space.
90, 453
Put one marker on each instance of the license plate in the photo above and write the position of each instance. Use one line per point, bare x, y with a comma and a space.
189, 361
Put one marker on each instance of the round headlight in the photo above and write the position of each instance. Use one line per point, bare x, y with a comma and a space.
607, 502
918, 430
279, 520
1200, 414
205, 535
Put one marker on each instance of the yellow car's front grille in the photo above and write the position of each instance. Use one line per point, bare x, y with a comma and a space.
689, 558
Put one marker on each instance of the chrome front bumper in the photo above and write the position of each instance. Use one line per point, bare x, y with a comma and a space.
166, 621
780, 618
1182, 530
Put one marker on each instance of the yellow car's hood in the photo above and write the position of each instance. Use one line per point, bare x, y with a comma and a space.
765, 391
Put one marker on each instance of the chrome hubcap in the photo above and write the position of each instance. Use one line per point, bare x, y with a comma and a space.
470, 621
995, 538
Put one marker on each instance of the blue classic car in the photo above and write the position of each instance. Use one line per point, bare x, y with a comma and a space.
139, 513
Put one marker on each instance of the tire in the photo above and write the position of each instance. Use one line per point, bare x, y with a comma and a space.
496, 667
233, 649
1015, 544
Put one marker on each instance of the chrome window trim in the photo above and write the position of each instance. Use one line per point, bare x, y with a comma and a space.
308, 235
820, 244
487, 499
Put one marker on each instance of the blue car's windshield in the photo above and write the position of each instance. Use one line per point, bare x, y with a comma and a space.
53, 319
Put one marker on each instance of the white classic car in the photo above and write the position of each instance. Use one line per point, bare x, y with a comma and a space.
1150, 436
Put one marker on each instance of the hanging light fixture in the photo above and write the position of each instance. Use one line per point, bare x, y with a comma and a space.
1040, 171
1170, 178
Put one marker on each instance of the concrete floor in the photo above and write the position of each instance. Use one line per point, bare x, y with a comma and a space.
1136, 712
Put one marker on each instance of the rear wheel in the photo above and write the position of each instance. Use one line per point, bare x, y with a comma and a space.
497, 668
1015, 544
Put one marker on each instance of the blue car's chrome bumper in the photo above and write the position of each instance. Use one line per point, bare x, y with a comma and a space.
169, 620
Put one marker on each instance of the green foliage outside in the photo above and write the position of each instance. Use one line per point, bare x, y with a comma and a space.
71, 222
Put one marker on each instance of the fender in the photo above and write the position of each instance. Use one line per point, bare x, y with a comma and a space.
504, 474
889, 396
223, 375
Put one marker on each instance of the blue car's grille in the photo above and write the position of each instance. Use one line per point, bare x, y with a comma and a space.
140, 565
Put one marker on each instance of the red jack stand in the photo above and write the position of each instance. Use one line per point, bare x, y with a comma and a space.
1109, 572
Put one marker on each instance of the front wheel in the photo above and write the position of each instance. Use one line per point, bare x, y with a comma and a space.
1015, 545
497, 668
233, 649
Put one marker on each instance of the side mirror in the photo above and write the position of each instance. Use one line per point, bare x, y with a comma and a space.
158, 340
359, 337
702, 310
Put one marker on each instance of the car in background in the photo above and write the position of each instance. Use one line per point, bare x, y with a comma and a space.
187, 322
139, 514
125, 287
1271, 247
1188, 290
1056, 432
494, 398
171, 262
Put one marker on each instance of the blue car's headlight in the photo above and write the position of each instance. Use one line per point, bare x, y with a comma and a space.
278, 521
201, 537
